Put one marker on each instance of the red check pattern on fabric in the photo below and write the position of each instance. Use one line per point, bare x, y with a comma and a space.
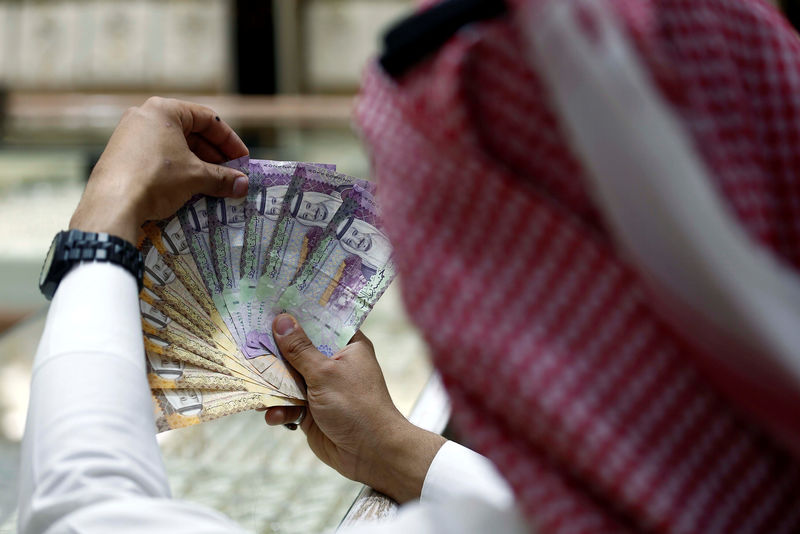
559, 368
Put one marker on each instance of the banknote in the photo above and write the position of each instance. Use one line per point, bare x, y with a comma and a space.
157, 324
178, 408
169, 295
348, 269
312, 199
240, 164
269, 182
217, 248
226, 219
166, 372
173, 348
194, 220
160, 321
169, 350
170, 242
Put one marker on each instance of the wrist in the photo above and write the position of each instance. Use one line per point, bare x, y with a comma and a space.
400, 461
107, 217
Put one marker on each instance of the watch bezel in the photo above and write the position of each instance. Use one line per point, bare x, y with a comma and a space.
54, 266
48, 261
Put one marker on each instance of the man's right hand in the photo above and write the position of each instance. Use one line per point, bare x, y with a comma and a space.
160, 154
352, 424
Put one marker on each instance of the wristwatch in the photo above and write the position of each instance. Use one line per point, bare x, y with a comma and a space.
72, 247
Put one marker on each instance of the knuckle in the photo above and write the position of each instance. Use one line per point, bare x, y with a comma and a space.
222, 181
198, 170
154, 102
209, 172
297, 345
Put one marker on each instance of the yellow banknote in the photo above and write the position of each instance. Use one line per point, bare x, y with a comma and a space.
177, 408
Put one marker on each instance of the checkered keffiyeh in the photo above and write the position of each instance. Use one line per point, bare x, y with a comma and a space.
560, 370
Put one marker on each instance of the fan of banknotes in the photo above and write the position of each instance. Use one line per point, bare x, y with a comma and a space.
305, 240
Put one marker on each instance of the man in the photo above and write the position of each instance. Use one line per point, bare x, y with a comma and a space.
617, 323
90, 459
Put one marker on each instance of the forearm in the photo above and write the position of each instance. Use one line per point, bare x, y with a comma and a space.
90, 431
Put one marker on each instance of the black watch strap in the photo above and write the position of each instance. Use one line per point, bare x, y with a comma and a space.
74, 246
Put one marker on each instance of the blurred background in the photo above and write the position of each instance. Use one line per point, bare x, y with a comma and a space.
283, 73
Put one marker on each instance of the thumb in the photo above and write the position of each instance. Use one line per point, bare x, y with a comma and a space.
296, 347
219, 181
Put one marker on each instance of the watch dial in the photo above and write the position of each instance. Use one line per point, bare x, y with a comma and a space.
48, 261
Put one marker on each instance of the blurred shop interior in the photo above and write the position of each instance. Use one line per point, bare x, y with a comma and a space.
283, 73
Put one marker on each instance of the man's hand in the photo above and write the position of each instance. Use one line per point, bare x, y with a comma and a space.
160, 154
352, 424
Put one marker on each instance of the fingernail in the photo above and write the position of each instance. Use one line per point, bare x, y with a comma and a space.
284, 325
240, 186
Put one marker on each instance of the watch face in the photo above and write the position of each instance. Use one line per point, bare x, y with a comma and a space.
48, 261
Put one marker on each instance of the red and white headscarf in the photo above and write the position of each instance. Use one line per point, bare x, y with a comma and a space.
595, 207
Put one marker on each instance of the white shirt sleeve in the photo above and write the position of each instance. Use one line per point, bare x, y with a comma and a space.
458, 472
90, 462
89, 456
462, 493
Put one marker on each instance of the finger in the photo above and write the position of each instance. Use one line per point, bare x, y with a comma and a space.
205, 150
204, 121
219, 181
296, 347
280, 415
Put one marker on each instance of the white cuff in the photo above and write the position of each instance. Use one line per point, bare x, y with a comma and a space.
457, 472
96, 308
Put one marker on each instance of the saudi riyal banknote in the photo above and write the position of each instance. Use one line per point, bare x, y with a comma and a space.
170, 242
177, 408
179, 343
268, 185
177, 323
348, 269
165, 292
167, 350
194, 221
226, 237
165, 372
162, 352
311, 201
